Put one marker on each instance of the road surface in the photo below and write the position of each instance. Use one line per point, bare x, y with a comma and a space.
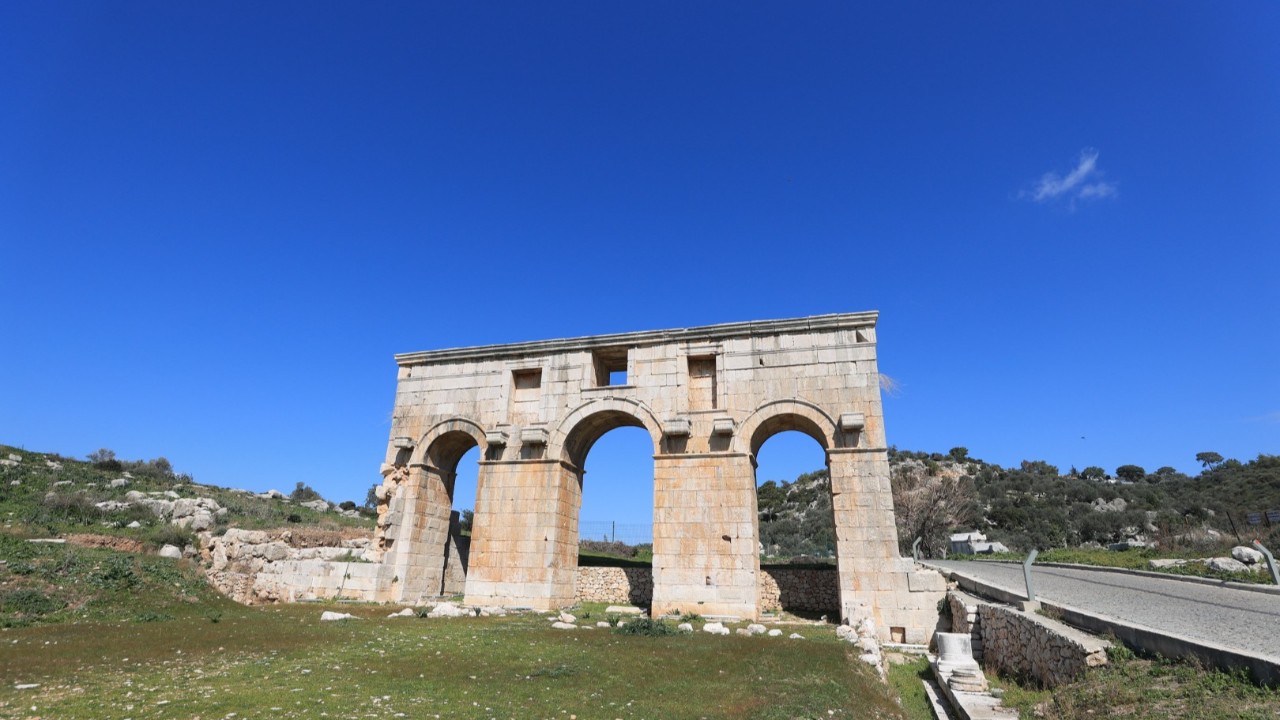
1217, 615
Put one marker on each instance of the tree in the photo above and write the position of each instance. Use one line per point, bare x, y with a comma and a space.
304, 493
1093, 472
1039, 467
104, 455
1209, 460
466, 519
1130, 473
959, 454
371, 498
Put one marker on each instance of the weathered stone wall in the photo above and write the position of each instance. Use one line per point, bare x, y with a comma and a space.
1014, 642
708, 398
254, 567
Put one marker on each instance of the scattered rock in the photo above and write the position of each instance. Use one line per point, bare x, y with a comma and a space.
328, 615
15, 458
447, 610
715, 628
563, 626
623, 610
1226, 565
1247, 555
685, 627
135, 525
775, 632
320, 505
567, 618
25, 686
796, 636
602, 624
1160, 564
171, 551
756, 629
119, 482
407, 612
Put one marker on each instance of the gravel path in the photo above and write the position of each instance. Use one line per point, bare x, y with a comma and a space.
1233, 618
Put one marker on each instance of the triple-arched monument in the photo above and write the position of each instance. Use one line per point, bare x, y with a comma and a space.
708, 397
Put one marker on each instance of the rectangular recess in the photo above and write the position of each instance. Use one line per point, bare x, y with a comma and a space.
610, 366
702, 382
526, 396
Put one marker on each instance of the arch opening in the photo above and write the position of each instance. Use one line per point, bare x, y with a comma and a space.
590, 429
454, 458
611, 453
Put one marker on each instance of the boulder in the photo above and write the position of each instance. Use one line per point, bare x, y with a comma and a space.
756, 629
567, 618
407, 612
1247, 555
602, 624
623, 610
685, 627
320, 505
1224, 564
447, 610
564, 626
329, 615
119, 482
15, 458
1161, 564
715, 628
775, 632
171, 551
135, 525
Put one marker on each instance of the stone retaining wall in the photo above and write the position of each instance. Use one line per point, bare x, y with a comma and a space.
629, 586
1014, 642
780, 588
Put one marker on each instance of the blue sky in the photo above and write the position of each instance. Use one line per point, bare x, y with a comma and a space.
219, 221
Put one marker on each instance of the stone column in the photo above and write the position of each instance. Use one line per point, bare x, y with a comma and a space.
421, 509
706, 554
524, 550
875, 581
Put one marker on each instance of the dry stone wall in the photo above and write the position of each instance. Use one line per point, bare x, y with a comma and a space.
805, 589
1014, 642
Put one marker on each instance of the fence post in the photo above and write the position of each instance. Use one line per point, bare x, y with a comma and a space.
1026, 575
1271, 561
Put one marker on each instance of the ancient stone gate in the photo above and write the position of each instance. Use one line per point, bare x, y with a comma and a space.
708, 397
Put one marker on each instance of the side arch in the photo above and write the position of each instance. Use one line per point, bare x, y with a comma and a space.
444, 444
582, 427
778, 416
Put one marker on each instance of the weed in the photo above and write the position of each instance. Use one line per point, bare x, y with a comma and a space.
646, 626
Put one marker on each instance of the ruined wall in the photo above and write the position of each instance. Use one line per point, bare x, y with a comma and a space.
709, 398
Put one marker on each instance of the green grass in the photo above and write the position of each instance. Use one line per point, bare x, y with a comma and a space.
907, 680
282, 662
1145, 689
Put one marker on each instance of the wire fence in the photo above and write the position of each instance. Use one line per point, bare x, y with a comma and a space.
611, 531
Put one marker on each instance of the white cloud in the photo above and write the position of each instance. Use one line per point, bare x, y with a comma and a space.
1084, 182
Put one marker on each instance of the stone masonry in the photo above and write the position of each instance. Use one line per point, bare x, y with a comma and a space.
708, 397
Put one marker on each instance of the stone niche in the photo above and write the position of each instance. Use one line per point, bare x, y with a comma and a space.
708, 397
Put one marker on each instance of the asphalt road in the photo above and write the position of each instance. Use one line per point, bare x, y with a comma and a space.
1238, 619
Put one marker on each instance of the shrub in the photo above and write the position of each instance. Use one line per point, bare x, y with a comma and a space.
29, 603
646, 626
167, 534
